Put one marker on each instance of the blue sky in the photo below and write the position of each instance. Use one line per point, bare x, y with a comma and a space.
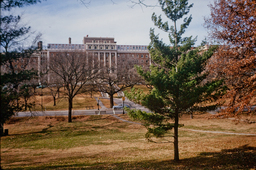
58, 20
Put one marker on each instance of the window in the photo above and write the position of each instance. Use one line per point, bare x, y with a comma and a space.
137, 55
142, 56
133, 56
95, 47
146, 56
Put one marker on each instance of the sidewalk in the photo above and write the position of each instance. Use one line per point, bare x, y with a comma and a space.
100, 103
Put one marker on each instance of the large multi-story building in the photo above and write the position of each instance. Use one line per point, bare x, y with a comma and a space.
107, 52
103, 50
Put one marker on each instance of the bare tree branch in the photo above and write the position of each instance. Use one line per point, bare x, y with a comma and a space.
142, 3
85, 3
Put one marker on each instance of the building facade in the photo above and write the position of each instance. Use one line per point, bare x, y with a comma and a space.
106, 52
102, 51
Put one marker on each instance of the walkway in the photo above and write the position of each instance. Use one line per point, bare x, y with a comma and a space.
110, 111
100, 103
202, 131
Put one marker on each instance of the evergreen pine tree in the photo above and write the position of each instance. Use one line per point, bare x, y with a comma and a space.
11, 51
178, 75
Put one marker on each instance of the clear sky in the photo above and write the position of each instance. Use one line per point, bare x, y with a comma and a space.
58, 20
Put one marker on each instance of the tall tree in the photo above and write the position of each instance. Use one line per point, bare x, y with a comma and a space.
233, 25
11, 32
177, 75
75, 71
13, 36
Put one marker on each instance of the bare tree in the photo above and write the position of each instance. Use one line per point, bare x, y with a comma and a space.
75, 71
54, 87
26, 93
113, 81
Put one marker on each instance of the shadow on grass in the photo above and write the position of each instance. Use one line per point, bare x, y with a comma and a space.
243, 157
73, 131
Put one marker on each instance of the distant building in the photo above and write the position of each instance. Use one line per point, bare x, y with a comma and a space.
103, 50
107, 52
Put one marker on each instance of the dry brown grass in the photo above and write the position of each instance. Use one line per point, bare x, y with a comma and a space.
142, 87
106, 102
79, 102
103, 142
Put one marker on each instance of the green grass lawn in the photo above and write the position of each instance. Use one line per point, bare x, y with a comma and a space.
103, 142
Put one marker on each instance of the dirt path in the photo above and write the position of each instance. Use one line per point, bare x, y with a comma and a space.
201, 131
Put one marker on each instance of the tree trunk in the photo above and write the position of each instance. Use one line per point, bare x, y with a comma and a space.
191, 115
26, 104
17, 101
111, 100
1, 133
176, 127
70, 110
58, 92
54, 101
1, 129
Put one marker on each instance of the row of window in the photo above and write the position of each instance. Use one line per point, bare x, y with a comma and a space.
95, 47
131, 47
94, 41
138, 56
137, 61
65, 46
106, 54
